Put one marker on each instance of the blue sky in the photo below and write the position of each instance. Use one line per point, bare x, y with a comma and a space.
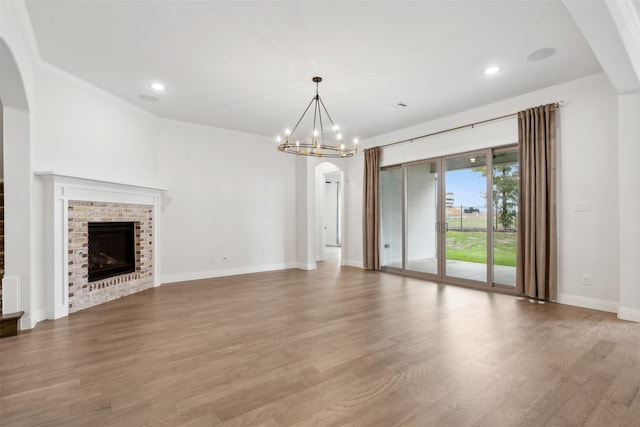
468, 187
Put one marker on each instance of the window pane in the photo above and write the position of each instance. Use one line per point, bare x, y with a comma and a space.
391, 212
505, 212
466, 217
422, 208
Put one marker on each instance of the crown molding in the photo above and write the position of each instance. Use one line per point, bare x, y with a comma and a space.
209, 128
626, 17
631, 15
24, 21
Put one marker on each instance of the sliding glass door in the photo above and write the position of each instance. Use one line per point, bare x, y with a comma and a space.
465, 234
422, 217
452, 218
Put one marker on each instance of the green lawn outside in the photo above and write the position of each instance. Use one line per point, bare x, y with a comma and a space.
471, 246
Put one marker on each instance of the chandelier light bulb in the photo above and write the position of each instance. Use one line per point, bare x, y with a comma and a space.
355, 141
287, 132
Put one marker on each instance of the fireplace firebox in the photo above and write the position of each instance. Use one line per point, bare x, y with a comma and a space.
111, 249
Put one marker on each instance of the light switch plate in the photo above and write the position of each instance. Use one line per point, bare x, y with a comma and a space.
582, 206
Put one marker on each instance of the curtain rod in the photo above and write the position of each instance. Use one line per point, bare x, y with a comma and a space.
557, 104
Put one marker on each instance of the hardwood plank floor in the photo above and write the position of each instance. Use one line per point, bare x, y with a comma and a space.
331, 347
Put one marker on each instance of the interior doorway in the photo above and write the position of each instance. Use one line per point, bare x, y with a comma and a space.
329, 212
332, 223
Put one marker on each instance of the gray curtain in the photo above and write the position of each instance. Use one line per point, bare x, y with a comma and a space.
370, 210
537, 252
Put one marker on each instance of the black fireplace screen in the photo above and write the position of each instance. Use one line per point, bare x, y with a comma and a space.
111, 249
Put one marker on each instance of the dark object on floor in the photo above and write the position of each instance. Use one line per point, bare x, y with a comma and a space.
9, 324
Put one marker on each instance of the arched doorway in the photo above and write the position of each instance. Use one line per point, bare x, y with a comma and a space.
17, 180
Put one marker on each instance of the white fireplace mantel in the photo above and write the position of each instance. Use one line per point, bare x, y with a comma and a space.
58, 190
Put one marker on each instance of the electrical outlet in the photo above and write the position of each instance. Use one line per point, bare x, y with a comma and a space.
211, 260
586, 279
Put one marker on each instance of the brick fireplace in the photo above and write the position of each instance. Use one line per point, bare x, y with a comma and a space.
70, 204
84, 293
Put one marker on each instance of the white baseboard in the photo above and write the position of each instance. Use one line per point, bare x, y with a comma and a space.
586, 302
199, 275
352, 263
30, 320
307, 267
628, 313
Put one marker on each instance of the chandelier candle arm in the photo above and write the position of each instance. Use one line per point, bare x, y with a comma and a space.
317, 147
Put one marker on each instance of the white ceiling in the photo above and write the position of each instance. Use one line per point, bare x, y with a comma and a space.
248, 65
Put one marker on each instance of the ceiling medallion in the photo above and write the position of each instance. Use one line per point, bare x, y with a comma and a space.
315, 144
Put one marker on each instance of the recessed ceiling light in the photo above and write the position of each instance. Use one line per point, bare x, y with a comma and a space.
148, 98
492, 70
540, 54
157, 86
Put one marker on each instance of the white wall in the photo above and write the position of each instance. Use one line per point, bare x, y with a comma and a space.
629, 205
17, 199
305, 212
587, 170
84, 132
17, 92
222, 201
352, 225
588, 161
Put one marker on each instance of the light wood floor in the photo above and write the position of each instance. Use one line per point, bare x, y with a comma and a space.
332, 347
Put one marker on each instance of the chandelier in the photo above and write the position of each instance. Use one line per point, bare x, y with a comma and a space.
316, 145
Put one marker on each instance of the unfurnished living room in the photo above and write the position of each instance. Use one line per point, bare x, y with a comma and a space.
329, 213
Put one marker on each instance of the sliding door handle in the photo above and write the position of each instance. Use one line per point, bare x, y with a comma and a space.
441, 227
